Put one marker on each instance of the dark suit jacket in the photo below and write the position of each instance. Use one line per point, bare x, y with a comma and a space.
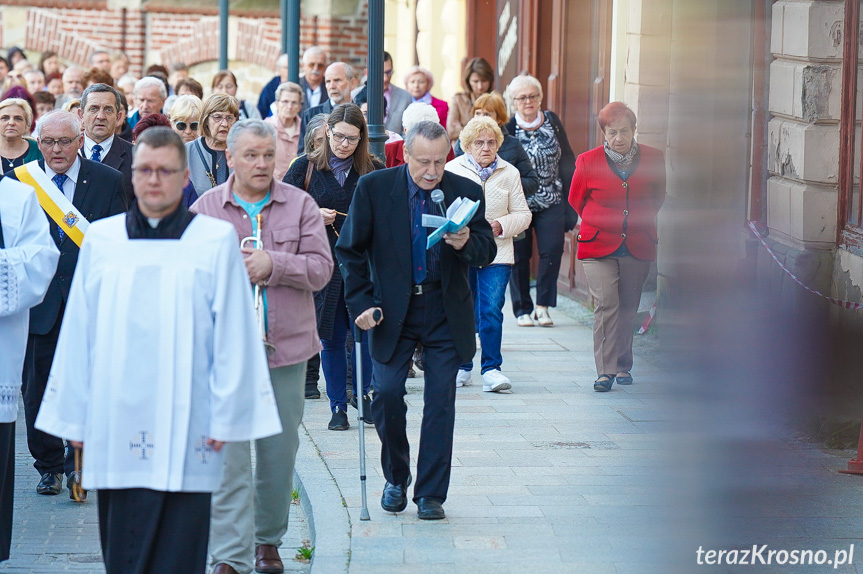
98, 194
120, 158
268, 96
374, 252
323, 108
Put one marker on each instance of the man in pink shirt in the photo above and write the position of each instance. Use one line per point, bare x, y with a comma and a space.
295, 261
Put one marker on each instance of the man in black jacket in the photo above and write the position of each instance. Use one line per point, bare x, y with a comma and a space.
100, 113
96, 191
410, 294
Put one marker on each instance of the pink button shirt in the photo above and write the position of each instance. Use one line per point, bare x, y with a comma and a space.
293, 235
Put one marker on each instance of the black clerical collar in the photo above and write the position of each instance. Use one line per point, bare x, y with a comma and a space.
172, 226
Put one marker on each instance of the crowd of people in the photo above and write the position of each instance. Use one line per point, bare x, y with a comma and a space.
339, 243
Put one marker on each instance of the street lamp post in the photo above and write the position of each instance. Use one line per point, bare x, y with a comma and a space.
290, 12
375, 80
223, 34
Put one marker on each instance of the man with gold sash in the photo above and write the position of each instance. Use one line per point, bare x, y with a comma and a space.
73, 192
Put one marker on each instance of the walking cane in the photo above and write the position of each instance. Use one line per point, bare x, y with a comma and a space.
358, 390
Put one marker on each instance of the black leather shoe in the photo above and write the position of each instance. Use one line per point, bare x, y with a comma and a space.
73, 482
51, 483
395, 496
312, 391
367, 408
429, 508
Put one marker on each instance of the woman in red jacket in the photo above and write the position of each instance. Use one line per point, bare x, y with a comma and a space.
617, 190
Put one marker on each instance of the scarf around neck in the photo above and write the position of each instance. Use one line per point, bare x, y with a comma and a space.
341, 167
622, 159
525, 125
483, 172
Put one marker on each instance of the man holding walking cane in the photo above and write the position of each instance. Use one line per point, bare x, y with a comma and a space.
421, 296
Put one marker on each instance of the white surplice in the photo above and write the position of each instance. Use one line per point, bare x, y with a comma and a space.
27, 265
159, 350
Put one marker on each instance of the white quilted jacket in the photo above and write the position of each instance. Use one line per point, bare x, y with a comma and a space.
504, 202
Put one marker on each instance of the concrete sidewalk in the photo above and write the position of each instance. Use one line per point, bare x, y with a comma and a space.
554, 477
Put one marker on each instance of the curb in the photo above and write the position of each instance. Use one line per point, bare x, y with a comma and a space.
326, 513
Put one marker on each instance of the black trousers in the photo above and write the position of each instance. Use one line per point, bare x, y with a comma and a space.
145, 531
7, 486
548, 226
425, 323
48, 451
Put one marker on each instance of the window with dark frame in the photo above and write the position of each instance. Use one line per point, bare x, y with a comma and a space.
850, 213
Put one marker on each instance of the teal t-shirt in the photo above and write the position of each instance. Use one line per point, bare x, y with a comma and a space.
253, 209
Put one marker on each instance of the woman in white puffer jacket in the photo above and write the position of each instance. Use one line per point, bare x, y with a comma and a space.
508, 214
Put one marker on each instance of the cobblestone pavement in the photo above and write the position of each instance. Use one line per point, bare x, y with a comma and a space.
53, 534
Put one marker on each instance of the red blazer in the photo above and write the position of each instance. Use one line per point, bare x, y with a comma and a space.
614, 211
395, 152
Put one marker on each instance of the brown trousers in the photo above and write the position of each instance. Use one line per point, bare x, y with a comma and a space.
615, 284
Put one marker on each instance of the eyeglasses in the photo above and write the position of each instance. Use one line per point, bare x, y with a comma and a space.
181, 126
162, 172
530, 98
63, 142
339, 138
490, 144
226, 119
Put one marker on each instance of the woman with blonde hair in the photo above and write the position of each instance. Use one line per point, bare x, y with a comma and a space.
208, 166
507, 212
16, 149
184, 117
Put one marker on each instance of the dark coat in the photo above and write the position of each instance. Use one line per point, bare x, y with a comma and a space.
512, 151
326, 191
374, 252
566, 167
120, 158
268, 96
323, 108
98, 194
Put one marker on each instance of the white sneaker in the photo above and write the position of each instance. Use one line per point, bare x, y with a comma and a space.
525, 321
462, 379
494, 381
542, 317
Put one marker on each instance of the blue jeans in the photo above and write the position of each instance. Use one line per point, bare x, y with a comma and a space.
488, 285
334, 360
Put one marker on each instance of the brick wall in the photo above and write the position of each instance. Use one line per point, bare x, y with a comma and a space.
167, 34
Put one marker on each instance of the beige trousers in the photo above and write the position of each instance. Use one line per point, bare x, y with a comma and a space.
615, 284
247, 513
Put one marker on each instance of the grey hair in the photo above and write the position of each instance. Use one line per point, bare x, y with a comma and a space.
34, 72
258, 128
289, 87
152, 82
97, 52
418, 112
517, 84
282, 59
313, 50
314, 125
428, 130
67, 119
99, 89
349, 70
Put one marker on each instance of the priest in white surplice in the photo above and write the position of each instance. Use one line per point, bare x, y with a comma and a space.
159, 363
28, 259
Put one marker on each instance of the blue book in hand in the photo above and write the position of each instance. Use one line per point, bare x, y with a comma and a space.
458, 214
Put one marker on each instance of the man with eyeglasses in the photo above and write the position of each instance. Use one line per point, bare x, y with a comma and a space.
158, 365
100, 113
74, 192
